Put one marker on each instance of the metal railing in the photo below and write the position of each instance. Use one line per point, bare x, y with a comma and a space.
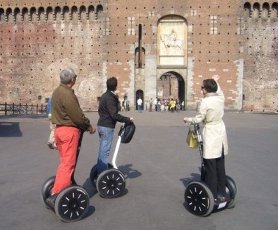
22, 109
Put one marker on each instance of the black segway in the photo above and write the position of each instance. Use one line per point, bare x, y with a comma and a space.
72, 203
111, 182
199, 199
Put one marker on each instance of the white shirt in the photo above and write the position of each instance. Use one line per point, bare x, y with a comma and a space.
139, 101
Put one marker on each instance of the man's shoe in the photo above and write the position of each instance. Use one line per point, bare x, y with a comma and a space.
50, 145
51, 201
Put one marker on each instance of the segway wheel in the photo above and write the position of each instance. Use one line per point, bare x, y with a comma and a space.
199, 199
111, 183
231, 191
72, 204
46, 189
94, 174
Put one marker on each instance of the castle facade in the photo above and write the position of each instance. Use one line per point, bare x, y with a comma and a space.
156, 49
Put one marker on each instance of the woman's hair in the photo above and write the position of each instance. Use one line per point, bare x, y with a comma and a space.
67, 75
210, 85
112, 84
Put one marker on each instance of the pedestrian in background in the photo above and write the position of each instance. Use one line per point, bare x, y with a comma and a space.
139, 104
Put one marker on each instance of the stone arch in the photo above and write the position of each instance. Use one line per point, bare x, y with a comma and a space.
74, 13
99, 11
91, 13
49, 13
9, 14
2, 15
139, 61
256, 10
57, 13
82, 13
17, 15
171, 85
247, 10
66, 13
139, 94
265, 10
33, 14
274, 10
41, 14
25, 15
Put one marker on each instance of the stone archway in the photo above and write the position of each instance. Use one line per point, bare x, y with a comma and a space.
171, 85
139, 94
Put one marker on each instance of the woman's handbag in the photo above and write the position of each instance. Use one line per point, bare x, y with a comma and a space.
192, 139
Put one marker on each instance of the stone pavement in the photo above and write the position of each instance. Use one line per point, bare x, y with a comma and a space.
157, 164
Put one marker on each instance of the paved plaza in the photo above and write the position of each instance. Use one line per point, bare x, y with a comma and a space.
157, 164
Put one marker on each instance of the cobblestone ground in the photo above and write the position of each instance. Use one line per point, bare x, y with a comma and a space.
157, 164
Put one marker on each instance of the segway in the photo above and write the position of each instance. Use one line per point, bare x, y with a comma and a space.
111, 182
199, 199
72, 203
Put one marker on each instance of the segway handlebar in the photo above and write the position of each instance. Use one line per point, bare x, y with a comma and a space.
125, 135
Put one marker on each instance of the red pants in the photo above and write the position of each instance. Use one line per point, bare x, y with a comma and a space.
67, 139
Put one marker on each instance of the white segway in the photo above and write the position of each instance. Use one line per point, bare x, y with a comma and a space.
72, 203
199, 199
111, 182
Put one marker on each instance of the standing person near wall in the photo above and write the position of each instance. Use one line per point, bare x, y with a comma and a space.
108, 116
172, 105
70, 122
150, 105
139, 104
155, 104
215, 143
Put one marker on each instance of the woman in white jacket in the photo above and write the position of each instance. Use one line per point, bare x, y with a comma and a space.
215, 145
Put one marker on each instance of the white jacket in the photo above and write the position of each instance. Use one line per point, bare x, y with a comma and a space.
211, 112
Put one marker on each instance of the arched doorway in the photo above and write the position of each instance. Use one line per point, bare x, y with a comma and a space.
171, 85
139, 94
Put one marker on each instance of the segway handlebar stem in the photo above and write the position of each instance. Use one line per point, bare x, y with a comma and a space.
116, 152
117, 147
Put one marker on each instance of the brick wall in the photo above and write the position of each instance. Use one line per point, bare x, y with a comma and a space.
236, 40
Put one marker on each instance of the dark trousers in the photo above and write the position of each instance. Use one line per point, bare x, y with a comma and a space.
215, 175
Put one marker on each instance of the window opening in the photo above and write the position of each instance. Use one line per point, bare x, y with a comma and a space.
213, 22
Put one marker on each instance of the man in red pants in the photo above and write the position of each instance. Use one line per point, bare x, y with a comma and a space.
70, 121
